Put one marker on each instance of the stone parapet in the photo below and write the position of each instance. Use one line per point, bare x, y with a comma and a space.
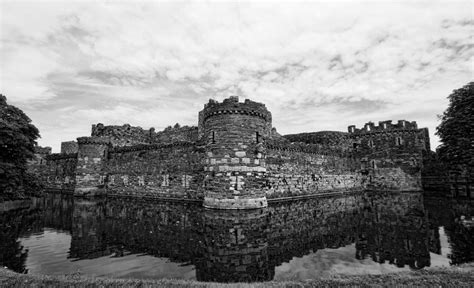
144, 147
42, 150
94, 140
384, 126
232, 105
58, 156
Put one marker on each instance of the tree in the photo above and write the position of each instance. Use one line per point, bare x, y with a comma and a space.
457, 128
17, 141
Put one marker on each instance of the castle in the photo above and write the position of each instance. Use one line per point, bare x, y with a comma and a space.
235, 159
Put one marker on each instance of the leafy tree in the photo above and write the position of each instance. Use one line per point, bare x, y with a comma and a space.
17, 141
457, 128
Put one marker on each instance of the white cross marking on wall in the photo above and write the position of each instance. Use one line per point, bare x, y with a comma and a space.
237, 181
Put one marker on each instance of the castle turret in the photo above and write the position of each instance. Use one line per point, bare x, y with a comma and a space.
234, 133
91, 158
391, 154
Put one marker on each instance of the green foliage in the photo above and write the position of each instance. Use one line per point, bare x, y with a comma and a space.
457, 128
17, 141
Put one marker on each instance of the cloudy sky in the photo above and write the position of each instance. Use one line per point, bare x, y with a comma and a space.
317, 66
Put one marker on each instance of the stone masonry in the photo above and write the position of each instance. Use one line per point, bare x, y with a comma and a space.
235, 159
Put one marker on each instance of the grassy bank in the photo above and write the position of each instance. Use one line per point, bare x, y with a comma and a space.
448, 277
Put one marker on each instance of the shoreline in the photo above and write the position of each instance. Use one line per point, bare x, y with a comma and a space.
454, 276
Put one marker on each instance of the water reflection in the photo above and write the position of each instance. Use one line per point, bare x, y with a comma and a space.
395, 230
235, 247
460, 237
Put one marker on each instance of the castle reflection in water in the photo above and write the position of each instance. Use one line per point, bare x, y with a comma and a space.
227, 246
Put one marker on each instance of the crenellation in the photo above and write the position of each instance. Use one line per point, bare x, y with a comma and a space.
232, 105
391, 154
235, 159
384, 126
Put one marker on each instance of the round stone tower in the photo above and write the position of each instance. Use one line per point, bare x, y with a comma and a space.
234, 135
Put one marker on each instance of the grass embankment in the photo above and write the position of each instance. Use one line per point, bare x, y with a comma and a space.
449, 277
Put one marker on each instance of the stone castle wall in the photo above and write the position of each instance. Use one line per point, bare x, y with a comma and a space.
176, 134
235, 159
295, 172
69, 147
173, 170
60, 171
124, 135
392, 155
127, 135
332, 141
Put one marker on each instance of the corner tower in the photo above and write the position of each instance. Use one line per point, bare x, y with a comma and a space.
391, 154
234, 133
91, 159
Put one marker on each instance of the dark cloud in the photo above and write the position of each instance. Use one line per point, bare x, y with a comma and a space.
342, 104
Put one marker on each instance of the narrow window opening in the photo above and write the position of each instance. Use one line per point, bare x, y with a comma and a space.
371, 143
257, 137
399, 141
213, 137
373, 164
368, 128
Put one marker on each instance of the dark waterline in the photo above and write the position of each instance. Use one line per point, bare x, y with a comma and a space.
305, 239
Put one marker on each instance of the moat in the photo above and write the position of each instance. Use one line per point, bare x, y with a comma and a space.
359, 233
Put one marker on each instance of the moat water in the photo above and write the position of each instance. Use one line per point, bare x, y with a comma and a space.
298, 240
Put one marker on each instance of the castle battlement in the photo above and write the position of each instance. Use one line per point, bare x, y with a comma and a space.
235, 159
60, 156
384, 126
42, 150
232, 105
94, 140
